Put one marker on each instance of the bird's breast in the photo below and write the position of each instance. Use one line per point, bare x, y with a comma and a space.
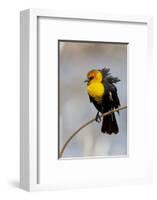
96, 90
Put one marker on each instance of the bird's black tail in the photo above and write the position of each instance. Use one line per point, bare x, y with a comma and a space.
109, 124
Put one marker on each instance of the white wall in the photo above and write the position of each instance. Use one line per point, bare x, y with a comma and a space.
9, 101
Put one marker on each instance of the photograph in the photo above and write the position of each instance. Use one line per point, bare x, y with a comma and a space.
92, 99
84, 108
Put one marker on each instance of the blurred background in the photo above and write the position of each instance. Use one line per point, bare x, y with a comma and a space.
76, 59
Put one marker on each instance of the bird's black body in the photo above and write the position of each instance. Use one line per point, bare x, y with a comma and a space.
109, 101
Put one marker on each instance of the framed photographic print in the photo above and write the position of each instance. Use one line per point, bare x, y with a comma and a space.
84, 110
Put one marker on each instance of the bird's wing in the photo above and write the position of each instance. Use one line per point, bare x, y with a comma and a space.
110, 88
111, 99
115, 97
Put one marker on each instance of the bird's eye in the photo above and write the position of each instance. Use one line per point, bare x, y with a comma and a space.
90, 77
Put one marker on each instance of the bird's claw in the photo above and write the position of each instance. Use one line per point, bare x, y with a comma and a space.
98, 118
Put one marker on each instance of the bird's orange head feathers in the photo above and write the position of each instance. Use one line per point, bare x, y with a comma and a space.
94, 75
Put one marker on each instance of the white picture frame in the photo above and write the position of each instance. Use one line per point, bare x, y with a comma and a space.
29, 99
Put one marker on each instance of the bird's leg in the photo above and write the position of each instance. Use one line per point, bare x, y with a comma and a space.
98, 118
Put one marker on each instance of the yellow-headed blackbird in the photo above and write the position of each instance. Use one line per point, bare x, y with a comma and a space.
103, 94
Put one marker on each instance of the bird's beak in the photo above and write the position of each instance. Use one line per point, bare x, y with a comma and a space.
86, 81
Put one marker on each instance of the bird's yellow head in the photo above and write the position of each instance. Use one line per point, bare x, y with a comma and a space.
94, 75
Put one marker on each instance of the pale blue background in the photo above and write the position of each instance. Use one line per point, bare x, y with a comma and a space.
76, 59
